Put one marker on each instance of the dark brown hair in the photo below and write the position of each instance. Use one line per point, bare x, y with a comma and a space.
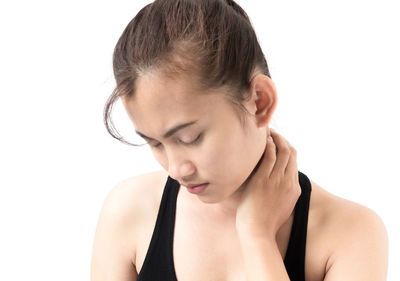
212, 39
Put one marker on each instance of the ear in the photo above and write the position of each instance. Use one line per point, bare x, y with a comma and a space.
263, 100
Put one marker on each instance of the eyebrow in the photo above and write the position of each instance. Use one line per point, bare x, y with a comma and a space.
170, 132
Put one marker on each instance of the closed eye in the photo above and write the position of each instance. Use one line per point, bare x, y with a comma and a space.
193, 142
185, 143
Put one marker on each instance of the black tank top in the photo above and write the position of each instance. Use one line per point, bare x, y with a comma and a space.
159, 266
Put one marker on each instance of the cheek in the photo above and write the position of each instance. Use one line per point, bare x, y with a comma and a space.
161, 159
224, 155
235, 157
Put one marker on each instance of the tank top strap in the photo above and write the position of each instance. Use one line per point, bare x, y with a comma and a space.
158, 263
295, 253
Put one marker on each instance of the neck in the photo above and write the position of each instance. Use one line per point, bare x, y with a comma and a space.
225, 210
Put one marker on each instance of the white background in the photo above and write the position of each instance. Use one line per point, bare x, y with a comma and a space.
335, 65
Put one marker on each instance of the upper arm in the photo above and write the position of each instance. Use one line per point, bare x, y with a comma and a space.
362, 253
113, 248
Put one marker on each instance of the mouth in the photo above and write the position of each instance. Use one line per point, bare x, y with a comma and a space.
196, 189
194, 185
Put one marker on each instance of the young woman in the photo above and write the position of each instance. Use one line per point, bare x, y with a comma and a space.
230, 203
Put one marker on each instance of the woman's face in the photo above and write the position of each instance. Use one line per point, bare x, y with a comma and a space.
214, 149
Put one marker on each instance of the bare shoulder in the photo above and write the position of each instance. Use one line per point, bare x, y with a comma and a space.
341, 216
133, 201
351, 232
124, 211
135, 194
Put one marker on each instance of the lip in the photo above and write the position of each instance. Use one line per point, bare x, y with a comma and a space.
194, 185
196, 189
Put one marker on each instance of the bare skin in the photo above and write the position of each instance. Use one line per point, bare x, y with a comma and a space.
337, 247
228, 254
334, 227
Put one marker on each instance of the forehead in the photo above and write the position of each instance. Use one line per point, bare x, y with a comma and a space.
160, 102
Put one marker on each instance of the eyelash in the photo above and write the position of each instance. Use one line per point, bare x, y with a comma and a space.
189, 144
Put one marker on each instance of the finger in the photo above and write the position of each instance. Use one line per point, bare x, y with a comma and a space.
282, 153
270, 156
292, 163
291, 167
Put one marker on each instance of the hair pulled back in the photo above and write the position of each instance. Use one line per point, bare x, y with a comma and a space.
212, 39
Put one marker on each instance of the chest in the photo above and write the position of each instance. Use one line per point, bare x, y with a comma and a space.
210, 250
207, 251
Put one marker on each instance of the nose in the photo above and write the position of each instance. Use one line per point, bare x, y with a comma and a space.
180, 167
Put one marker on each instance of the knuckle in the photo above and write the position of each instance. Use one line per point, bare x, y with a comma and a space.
284, 150
272, 143
271, 150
